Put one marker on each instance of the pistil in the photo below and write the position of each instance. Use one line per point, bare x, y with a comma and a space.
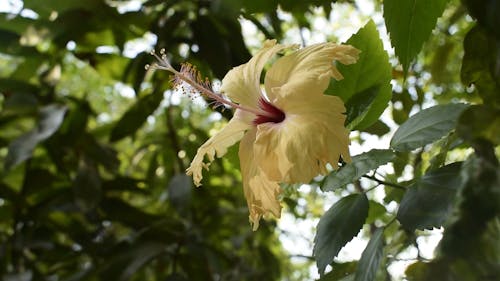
273, 114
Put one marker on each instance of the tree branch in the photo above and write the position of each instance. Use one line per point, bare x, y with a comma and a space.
395, 185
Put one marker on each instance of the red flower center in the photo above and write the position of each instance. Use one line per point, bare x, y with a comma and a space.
272, 113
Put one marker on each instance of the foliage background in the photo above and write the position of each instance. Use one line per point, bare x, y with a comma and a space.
94, 147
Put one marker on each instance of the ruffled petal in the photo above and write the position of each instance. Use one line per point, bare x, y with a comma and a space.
260, 192
219, 143
307, 71
311, 136
242, 83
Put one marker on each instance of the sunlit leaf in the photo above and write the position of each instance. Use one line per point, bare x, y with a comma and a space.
337, 227
429, 202
426, 126
365, 86
360, 165
409, 23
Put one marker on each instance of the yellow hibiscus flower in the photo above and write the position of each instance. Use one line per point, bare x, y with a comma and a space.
289, 131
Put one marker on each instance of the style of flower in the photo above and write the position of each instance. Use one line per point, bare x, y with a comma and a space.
289, 131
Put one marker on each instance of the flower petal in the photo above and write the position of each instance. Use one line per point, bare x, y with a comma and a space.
311, 136
219, 143
308, 70
260, 192
242, 83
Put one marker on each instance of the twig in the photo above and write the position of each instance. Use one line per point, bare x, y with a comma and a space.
373, 178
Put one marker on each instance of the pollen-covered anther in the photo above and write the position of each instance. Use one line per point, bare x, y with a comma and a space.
190, 71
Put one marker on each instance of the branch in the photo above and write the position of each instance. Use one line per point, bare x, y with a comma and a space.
395, 185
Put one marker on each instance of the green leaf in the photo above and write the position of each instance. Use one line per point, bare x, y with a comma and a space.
370, 259
337, 227
135, 116
45, 8
222, 54
359, 104
480, 122
429, 202
179, 191
365, 88
378, 128
20, 103
111, 65
49, 119
375, 211
102, 154
409, 23
481, 58
117, 209
87, 186
360, 165
340, 272
426, 126
124, 264
486, 12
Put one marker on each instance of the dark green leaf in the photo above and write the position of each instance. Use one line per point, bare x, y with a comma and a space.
23, 276
49, 119
479, 204
179, 191
87, 186
486, 12
20, 103
369, 76
378, 128
359, 104
135, 116
337, 227
426, 126
480, 122
371, 257
429, 202
123, 184
360, 165
481, 58
116, 209
45, 8
124, 264
222, 54
409, 23
340, 272
100, 153
17, 25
